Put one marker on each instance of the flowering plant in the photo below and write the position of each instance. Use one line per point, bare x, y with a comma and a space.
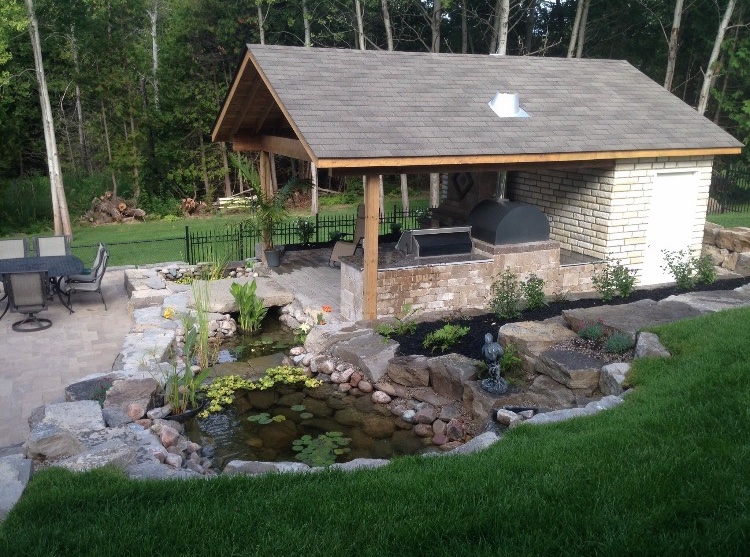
168, 312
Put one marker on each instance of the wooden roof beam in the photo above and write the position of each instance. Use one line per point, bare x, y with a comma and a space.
248, 102
272, 144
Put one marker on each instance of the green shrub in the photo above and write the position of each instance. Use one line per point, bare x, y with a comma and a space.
404, 324
681, 266
591, 331
445, 337
624, 279
612, 280
511, 364
618, 343
533, 292
305, 229
252, 310
604, 282
705, 271
505, 296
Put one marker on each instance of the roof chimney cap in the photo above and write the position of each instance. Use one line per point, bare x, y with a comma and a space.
506, 105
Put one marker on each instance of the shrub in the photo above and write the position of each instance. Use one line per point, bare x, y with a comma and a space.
505, 296
533, 292
618, 343
305, 229
404, 324
705, 271
624, 280
604, 282
445, 337
680, 265
614, 279
511, 363
591, 331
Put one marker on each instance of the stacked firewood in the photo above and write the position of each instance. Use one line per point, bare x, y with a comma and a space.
192, 207
111, 208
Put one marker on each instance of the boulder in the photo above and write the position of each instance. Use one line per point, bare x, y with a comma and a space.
649, 346
507, 418
90, 389
531, 338
15, 472
742, 266
132, 396
369, 353
612, 378
479, 443
409, 371
114, 452
56, 435
572, 369
734, 239
425, 414
449, 374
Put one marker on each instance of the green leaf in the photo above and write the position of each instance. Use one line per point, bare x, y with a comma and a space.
298, 407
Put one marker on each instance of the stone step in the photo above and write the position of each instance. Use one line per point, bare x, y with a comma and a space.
574, 370
531, 338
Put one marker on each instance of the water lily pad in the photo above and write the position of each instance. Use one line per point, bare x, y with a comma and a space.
305, 415
298, 407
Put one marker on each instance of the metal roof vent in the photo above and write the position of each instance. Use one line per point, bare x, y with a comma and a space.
506, 105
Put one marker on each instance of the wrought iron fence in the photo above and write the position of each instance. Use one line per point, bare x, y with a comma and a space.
237, 242
730, 189
137, 252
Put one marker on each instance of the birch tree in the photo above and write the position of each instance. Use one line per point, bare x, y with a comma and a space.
154, 18
582, 28
306, 22
59, 202
711, 68
576, 25
359, 16
673, 43
502, 15
387, 24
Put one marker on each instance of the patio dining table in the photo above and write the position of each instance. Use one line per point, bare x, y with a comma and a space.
57, 266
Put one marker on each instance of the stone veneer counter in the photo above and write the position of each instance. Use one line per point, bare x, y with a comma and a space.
391, 258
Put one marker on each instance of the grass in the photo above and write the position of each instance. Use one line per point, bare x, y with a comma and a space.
665, 473
729, 220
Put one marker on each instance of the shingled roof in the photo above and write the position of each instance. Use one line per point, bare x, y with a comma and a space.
351, 108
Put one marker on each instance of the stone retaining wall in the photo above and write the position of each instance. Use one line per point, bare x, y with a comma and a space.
729, 248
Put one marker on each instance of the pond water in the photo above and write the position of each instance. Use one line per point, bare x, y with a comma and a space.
373, 430
273, 338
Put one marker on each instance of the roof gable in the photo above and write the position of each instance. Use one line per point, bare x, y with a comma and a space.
350, 104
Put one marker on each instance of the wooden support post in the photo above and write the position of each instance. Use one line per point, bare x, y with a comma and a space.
434, 190
314, 193
266, 174
372, 218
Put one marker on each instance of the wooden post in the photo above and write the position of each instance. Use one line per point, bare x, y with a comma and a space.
314, 193
434, 190
266, 175
372, 216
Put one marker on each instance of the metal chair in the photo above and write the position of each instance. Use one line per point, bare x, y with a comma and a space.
27, 294
343, 248
72, 286
51, 245
14, 248
89, 275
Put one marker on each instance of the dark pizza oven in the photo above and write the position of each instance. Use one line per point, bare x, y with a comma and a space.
507, 222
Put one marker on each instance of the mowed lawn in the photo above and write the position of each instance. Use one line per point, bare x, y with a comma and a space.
665, 473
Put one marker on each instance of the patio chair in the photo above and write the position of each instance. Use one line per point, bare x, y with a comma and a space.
89, 275
14, 248
27, 294
344, 248
51, 245
72, 286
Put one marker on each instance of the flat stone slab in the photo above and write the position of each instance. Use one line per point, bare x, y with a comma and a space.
631, 318
715, 300
370, 352
531, 338
222, 301
15, 471
563, 415
572, 369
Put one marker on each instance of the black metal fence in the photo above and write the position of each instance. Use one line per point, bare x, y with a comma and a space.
730, 189
236, 242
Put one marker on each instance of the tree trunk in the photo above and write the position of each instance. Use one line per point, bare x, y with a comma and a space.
306, 23
261, 21
672, 56
434, 190
57, 190
464, 27
314, 194
85, 161
576, 26
708, 79
359, 11
530, 23
387, 23
405, 194
437, 15
502, 13
134, 151
582, 28
225, 165
109, 150
204, 170
154, 16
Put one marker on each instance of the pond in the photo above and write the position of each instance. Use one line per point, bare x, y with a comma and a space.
283, 414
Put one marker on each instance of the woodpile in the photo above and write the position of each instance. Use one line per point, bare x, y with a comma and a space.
193, 208
111, 208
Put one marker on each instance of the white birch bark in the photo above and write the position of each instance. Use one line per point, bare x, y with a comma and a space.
306, 23
708, 79
582, 28
154, 17
359, 12
57, 191
673, 37
576, 25
387, 23
502, 28
261, 21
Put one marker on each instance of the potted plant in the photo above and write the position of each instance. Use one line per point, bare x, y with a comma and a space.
268, 210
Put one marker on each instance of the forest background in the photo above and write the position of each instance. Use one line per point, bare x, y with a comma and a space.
135, 85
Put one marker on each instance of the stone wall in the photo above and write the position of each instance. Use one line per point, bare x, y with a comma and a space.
729, 248
605, 213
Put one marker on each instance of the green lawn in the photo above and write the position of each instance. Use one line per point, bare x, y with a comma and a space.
665, 473
729, 220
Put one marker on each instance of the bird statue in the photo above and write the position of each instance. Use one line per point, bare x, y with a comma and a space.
493, 352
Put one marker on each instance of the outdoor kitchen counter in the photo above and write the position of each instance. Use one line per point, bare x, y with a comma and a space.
390, 258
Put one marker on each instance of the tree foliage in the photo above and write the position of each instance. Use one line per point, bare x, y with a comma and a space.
98, 55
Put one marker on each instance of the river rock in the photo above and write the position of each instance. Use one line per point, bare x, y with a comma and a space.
168, 436
423, 430
507, 418
342, 376
439, 439
426, 414
378, 427
365, 386
455, 430
438, 427
379, 397
409, 416
173, 460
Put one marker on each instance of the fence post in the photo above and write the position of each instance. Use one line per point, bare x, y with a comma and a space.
187, 245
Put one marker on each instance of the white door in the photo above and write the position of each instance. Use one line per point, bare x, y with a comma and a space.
671, 221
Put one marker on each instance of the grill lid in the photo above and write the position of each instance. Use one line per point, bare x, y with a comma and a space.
432, 242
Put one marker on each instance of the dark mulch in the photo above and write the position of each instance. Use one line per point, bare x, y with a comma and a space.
479, 325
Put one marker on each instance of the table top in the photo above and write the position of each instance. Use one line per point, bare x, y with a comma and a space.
55, 265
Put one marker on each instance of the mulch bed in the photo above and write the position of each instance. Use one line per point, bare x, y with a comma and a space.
479, 325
